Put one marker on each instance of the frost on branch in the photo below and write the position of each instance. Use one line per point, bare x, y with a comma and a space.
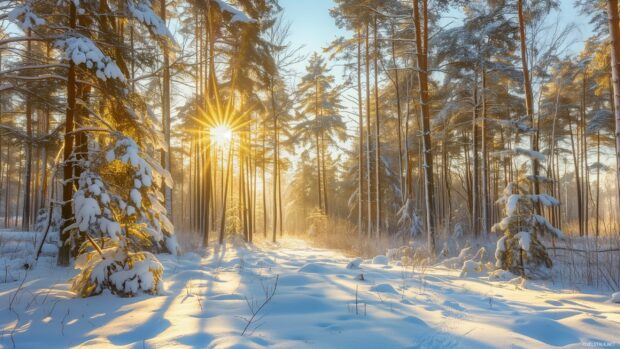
23, 16
81, 50
124, 273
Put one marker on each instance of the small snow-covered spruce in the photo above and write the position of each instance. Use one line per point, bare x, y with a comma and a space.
118, 219
139, 198
519, 250
409, 222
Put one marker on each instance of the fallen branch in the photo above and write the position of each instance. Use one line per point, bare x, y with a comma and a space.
255, 310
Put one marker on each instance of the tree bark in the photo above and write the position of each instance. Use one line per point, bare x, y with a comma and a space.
28, 150
421, 23
165, 108
360, 150
368, 116
377, 129
67, 189
529, 98
614, 30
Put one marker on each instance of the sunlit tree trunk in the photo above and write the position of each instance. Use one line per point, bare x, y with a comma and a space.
400, 119
529, 98
67, 192
614, 30
368, 167
264, 187
225, 196
584, 156
475, 204
276, 160
377, 128
577, 177
421, 38
485, 173
360, 150
28, 150
165, 109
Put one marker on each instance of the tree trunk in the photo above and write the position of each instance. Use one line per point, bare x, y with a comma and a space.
377, 129
360, 150
577, 178
475, 204
28, 150
485, 174
368, 149
614, 30
529, 98
165, 108
421, 23
225, 196
400, 119
67, 191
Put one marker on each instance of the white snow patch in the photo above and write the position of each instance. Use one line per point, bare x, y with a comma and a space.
380, 260
355, 263
205, 303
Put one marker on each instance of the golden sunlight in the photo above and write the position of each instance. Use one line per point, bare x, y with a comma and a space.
221, 134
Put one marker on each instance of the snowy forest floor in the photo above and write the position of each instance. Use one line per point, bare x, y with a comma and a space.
318, 303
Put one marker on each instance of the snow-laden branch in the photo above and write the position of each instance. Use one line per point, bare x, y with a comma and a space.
142, 11
532, 154
82, 50
24, 18
237, 15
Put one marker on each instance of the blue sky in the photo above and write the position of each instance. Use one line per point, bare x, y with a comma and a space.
314, 28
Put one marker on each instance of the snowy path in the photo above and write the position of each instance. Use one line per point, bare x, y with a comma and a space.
313, 307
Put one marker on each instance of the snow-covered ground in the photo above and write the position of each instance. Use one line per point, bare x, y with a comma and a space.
318, 303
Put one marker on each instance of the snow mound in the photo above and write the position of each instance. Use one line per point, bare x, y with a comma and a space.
316, 268
545, 330
615, 298
381, 260
355, 264
383, 288
472, 268
501, 275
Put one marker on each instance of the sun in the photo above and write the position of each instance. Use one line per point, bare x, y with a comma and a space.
221, 134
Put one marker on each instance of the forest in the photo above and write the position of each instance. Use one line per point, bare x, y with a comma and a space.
154, 149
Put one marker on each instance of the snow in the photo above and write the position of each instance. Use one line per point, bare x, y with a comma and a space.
143, 13
237, 15
380, 260
525, 239
23, 16
206, 297
82, 50
532, 154
512, 203
18, 249
615, 298
355, 263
